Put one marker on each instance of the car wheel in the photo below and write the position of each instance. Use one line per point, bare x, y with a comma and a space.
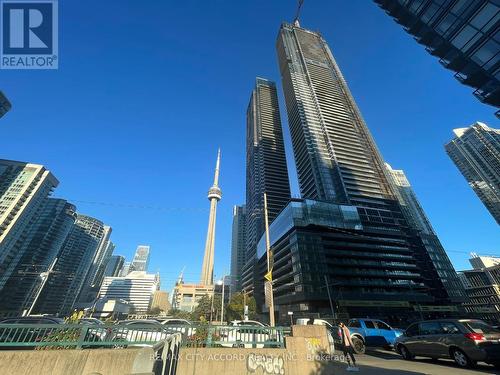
461, 358
405, 353
358, 345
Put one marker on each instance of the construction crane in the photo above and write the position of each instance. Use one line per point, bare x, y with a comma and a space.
299, 6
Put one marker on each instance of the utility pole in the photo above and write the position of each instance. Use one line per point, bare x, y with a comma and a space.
45, 277
269, 275
222, 303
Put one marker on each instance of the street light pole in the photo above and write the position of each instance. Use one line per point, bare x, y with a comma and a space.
222, 303
44, 276
269, 267
330, 299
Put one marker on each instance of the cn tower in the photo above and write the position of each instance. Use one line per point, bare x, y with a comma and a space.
214, 196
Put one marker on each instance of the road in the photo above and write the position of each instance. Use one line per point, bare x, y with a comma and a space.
382, 362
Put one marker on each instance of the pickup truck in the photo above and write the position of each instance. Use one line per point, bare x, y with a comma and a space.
373, 332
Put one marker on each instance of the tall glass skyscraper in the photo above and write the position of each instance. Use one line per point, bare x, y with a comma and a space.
238, 242
42, 244
65, 284
266, 168
336, 157
349, 230
463, 34
24, 188
476, 153
5, 105
418, 220
141, 259
114, 266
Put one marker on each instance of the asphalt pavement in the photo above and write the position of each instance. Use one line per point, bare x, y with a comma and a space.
384, 362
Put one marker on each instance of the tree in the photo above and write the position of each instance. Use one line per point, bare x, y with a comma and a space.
154, 311
235, 309
179, 314
204, 308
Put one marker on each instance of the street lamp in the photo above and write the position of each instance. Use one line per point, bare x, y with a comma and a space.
222, 299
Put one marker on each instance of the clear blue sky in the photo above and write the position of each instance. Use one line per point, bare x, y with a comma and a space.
147, 90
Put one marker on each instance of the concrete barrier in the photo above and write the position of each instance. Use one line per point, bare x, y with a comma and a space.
77, 362
308, 351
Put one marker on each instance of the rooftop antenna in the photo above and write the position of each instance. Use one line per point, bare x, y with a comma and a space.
297, 14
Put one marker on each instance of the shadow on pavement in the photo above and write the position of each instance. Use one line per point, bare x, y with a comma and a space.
336, 368
445, 362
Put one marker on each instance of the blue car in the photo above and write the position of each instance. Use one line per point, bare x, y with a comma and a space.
374, 332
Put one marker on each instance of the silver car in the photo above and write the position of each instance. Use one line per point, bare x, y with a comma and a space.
466, 341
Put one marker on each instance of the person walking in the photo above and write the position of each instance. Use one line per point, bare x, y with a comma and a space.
348, 347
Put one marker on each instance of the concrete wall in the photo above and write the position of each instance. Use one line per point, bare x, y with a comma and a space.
77, 362
308, 351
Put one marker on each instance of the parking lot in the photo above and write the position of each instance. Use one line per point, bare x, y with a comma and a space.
383, 362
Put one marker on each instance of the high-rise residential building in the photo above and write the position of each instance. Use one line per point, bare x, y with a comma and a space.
42, 245
418, 220
266, 169
24, 188
64, 285
214, 196
114, 266
476, 153
238, 246
5, 105
348, 231
482, 285
141, 259
95, 274
137, 288
463, 34
336, 156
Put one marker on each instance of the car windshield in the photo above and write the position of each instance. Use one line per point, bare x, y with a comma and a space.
481, 327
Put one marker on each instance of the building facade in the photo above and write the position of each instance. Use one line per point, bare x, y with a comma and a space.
41, 247
137, 288
476, 153
463, 34
238, 242
64, 285
5, 105
482, 285
24, 189
266, 169
141, 259
418, 220
114, 266
161, 302
381, 261
95, 274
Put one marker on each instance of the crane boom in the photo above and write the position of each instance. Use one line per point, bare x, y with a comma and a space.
299, 6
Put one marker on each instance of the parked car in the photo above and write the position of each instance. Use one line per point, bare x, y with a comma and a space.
247, 323
374, 332
180, 325
466, 341
142, 332
248, 334
100, 332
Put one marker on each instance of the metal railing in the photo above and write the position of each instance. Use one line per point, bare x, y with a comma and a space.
83, 336
209, 336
